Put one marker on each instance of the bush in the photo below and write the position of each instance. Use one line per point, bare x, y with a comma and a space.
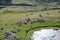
47, 13
31, 13
26, 15
40, 15
58, 11
2, 28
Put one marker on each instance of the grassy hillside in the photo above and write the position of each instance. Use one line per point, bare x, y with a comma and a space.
19, 22
16, 22
20, 1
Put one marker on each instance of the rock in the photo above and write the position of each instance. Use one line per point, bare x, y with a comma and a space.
1, 38
28, 19
56, 29
13, 31
24, 22
6, 34
17, 38
41, 20
18, 30
9, 36
31, 22
19, 23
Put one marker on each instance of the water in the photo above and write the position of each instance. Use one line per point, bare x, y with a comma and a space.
46, 34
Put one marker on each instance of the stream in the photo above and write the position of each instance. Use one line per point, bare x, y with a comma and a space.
46, 34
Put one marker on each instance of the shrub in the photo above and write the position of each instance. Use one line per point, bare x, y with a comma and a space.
31, 13
58, 11
47, 13
40, 15
26, 14
2, 28
34, 21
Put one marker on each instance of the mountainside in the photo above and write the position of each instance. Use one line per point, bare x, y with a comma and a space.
34, 1
28, 1
39, 4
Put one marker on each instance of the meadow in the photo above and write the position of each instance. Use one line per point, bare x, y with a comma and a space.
21, 24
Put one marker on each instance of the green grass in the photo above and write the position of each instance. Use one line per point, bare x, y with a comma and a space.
9, 16
8, 22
